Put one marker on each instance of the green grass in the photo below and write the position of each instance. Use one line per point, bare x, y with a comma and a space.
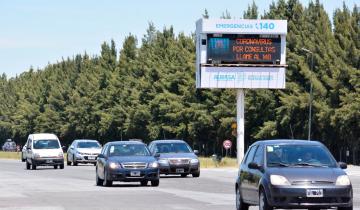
205, 162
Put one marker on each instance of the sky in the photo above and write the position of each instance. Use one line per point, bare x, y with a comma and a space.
38, 32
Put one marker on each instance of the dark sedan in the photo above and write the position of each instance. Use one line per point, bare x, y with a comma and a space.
127, 161
292, 174
176, 157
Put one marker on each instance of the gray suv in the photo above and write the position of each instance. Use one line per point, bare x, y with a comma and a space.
292, 174
176, 157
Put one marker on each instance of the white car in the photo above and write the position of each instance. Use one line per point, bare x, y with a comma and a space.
83, 151
44, 149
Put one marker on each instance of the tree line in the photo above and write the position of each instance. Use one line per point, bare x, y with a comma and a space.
146, 90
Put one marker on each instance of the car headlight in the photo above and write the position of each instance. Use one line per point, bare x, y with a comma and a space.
194, 161
153, 165
79, 153
278, 180
163, 162
114, 165
343, 180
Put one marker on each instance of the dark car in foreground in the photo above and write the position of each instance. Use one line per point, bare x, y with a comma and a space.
127, 161
292, 174
176, 157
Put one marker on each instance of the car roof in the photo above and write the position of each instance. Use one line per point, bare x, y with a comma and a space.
82, 140
124, 142
287, 142
37, 136
168, 141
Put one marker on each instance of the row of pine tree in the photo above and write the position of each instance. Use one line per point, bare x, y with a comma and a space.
147, 89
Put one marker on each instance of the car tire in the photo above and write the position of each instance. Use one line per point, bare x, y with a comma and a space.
94, 164
27, 165
106, 183
33, 166
144, 183
263, 203
67, 161
184, 175
55, 166
61, 166
99, 182
240, 205
346, 208
74, 161
196, 174
155, 183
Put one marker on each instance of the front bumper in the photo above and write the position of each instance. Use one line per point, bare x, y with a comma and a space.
124, 175
295, 197
48, 161
86, 158
179, 168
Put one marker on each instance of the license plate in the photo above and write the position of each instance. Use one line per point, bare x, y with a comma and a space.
314, 193
49, 161
135, 173
91, 158
179, 170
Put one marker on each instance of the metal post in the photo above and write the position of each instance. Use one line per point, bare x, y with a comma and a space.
311, 96
240, 120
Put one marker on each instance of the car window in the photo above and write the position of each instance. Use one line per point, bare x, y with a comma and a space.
250, 155
259, 155
104, 149
46, 144
173, 148
88, 144
128, 150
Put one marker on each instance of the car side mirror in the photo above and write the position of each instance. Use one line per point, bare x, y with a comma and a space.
157, 155
101, 156
196, 152
343, 165
254, 165
71, 147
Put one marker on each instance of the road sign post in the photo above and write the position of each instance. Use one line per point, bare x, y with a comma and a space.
240, 110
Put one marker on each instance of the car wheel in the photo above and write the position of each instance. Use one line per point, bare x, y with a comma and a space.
27, 165
74, 161
155, 183
263, 204
106, 183
33, 166
183, 175
346, 208
55, 166
240, 205
67, 161
61, 166
144, 183
196, 174
94, 164
99, 181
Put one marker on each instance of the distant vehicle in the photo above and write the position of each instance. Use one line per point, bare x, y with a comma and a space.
127, 161
9, 146
290, 174
43, 149
83, 151
23, 153
176, 157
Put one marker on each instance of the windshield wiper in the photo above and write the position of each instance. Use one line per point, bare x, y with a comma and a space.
308, 164
279, 164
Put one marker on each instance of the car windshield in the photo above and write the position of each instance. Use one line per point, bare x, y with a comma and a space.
46, 144
298, 156
88, 144
172, 148
129, 150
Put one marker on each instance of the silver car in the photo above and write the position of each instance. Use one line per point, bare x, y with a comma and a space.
83, 151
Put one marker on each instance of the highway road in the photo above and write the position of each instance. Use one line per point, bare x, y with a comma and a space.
74, 188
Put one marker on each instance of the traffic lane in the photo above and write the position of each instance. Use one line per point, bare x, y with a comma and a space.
74, 188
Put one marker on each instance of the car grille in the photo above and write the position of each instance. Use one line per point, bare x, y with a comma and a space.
314, 200
134, 165
179, 161
312, 183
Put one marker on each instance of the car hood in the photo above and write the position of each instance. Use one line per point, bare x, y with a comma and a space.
125, 159
89, 150
177, 155
308, 173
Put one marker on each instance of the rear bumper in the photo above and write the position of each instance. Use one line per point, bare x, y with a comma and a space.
295, 197
124, 175
48, 161
179, 169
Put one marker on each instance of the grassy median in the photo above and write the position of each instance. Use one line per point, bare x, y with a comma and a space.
205, 162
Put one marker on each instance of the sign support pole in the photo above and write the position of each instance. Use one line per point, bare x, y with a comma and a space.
240, 121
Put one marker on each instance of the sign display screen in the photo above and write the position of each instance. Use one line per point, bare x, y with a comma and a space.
243, 49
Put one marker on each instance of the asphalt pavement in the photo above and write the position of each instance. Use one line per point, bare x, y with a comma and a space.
74, 188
